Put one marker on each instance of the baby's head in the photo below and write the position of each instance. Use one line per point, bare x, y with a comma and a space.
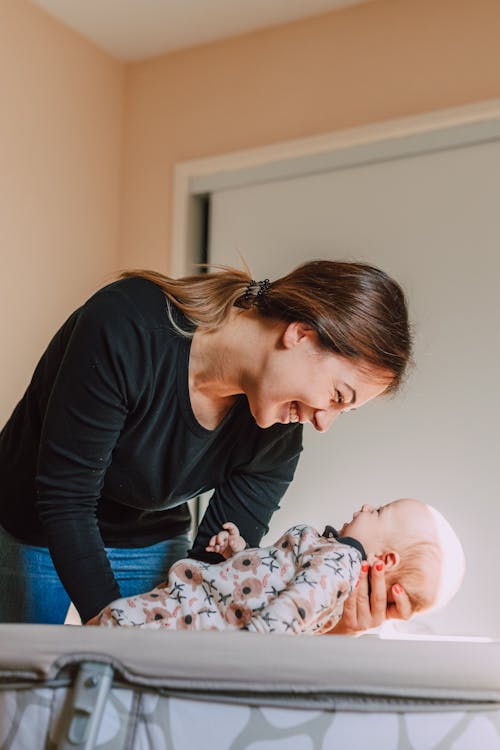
418, 546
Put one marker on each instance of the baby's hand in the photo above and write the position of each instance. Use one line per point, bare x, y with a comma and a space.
227, 542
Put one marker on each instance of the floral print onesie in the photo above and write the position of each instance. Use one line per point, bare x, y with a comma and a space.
297, 585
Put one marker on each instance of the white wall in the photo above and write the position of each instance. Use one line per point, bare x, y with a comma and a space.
432, 222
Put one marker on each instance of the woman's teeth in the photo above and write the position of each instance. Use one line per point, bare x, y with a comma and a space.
294, 415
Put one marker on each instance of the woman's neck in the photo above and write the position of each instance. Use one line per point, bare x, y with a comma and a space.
224, 361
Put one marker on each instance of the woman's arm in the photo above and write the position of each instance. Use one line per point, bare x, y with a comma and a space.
252, 491
85, 415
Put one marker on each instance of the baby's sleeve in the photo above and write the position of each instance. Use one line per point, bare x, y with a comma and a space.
128, 612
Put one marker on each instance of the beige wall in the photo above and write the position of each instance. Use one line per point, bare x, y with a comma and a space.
60, 159
381, 60
88, 145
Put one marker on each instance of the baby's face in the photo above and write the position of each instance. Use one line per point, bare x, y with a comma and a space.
379, 529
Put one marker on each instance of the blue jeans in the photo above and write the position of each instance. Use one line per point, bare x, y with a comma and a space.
30, 589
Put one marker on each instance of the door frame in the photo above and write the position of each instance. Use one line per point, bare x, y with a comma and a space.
195, 180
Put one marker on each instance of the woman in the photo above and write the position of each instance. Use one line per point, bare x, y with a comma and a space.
156, 390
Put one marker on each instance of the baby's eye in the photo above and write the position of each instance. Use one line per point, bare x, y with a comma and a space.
339, 399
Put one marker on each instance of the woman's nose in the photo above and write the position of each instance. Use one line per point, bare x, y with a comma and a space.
323, 418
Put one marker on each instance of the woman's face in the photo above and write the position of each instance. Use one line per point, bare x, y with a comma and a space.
302, 382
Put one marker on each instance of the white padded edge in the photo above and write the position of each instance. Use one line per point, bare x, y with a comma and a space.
262, 664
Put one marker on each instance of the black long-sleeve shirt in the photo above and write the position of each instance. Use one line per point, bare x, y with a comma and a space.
104, 448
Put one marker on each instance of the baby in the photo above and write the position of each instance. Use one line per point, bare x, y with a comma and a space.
300, 583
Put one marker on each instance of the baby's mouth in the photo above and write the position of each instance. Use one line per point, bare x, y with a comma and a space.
294, 414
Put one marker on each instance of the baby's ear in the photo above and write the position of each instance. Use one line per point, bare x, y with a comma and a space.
391, 559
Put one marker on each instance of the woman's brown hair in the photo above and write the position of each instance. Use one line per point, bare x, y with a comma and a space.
357, 310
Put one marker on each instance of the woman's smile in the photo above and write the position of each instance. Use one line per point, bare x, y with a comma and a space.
294, 415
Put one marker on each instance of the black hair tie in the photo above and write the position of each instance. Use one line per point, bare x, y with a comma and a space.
253, 292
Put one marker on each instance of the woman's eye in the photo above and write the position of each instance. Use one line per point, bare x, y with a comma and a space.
339, 399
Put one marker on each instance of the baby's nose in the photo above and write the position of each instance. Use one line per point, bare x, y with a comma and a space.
367, 508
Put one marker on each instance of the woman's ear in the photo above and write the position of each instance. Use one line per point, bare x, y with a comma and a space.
295, 333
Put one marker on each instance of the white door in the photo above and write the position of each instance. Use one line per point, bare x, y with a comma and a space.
432, 221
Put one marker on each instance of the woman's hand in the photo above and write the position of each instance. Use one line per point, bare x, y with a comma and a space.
368, 607
227, 542
93, 621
